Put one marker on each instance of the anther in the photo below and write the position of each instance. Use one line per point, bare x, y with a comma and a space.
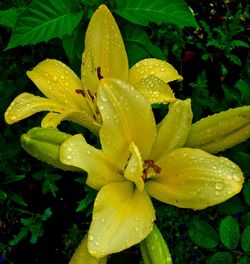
98, 71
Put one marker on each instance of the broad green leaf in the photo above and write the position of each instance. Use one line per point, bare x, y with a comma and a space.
245, 219
245, 239
135, 53
8, 17
135, 35
221, 258
73, 44
44, 20
203, 234
142, 12
232, 206
244, 260
229, 232
246, 192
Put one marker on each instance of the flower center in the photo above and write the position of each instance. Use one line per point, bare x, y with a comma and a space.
149, 168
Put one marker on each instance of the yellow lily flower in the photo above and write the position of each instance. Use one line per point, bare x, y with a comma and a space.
69, 98
139, 160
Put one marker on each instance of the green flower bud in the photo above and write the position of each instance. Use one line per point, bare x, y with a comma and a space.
44, 144
220, 131
154, 249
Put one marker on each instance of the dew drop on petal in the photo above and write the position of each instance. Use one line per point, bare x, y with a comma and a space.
91, 238
219, 186
55, 78
237, 178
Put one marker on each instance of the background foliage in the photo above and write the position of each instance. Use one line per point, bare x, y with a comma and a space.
45, 212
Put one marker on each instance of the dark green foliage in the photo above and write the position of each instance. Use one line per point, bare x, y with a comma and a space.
203, 234
229, 232
210, 49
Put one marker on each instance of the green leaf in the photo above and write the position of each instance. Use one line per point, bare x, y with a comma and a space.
245, 239
244, 260
36, 232
238, 43
203, 234
142, 12
246, 192
8, 17
245, 219
11, 178
135, 35
44, 20
21, 235
232, 206
73, 44
243, 87
89, 198
221, 258
233, 58
16, 197
229, 232
47, 214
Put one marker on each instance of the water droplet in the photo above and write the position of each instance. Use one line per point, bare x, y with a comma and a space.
219, 186
133, 169
48, 82
136, 229
96, 243
237, 177
101, 107
69, 149
91, 238
66, 83
55, 78
62, 77
102, 220
13, 118
68, 157
103, 98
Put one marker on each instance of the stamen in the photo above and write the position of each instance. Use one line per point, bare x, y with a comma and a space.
79, 91
98, 70
150, 164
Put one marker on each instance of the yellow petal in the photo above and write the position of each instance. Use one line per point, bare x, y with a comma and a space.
134, 168
155, 90
127, 117
79, 117
82, 256
78, 153
58, 82
159, 68
26, 104
104, 53
192, 178
122, 217
173, 129
220, 131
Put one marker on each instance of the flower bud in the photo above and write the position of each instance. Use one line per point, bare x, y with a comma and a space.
44, 144
220, 131
154, 249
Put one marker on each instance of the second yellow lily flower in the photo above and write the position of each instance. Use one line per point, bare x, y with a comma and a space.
69, 98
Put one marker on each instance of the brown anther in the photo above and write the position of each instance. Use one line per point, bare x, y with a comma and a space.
98, 71
79, 91
150, 164
91, 95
